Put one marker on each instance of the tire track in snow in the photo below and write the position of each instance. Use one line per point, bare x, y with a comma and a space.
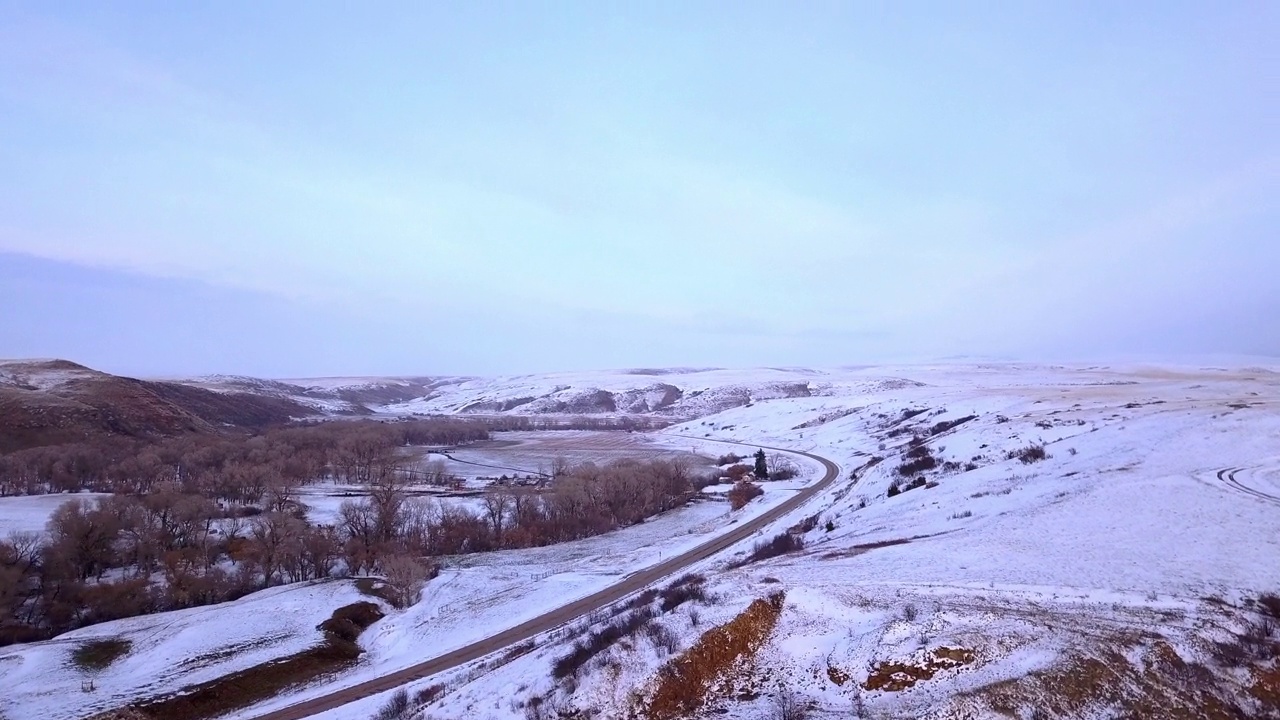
1228, 476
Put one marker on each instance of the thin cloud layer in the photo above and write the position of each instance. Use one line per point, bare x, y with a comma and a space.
502, 189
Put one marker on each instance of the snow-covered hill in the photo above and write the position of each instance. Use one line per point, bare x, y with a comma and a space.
1096, 582
678, 394
1084, 543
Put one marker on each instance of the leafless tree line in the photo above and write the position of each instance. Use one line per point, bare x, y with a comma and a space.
229, 468
174, 546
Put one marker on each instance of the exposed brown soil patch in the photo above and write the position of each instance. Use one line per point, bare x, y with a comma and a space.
1161, 686
898, 676
685, 683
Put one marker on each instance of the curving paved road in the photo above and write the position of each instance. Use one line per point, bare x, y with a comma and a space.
561, 615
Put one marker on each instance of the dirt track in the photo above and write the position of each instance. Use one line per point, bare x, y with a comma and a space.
561, 615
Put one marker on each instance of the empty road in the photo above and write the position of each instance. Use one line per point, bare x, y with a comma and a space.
561, 615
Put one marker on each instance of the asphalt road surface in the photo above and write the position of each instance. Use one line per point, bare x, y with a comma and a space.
561, 615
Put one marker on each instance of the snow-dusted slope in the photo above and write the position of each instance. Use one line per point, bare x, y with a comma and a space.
1124, 554
679, 394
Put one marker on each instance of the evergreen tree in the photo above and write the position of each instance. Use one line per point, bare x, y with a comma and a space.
762, 466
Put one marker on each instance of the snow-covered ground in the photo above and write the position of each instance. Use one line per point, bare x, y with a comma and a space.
480, 594
1155, 514
475, 596
1158, 500
169, 650
538, 452
324, 500
30, 513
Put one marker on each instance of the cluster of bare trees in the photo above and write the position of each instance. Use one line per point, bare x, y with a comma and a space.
583, 501
191, 520
176, 546
228, 467
126, 555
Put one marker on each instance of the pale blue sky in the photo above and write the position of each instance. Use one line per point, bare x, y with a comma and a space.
307, 188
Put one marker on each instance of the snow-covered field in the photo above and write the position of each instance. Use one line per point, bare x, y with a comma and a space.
535, 452
475, 596
169, 651
1153, 518
1156, 505
30, 513
324, 500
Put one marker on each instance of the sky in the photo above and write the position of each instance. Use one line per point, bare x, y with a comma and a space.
297, 189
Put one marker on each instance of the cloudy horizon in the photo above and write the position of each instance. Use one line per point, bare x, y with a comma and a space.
294, 191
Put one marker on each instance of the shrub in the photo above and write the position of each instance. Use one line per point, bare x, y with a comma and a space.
786, 706
743, 493
910, 613
349, 621
686, 588
1029, 454
918, 459
830, 525
783, 473
430, 692
737, 472
804, 525
644, 598
673, 599
729, 459
894, 489
99, 654
1269, 604
781, 544
1256, 643
599, 640
946, 425
396, 708
662, 637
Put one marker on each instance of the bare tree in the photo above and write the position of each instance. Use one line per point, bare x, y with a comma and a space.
559, 466
358, 524
782, 467
406, 576
497, 506
786, 706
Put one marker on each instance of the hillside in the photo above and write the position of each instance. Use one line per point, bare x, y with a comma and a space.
673, 394
1114, 574
46, 402
1002, 541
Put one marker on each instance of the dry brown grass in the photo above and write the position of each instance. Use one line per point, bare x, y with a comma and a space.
1161, 686
1266, 687
99, 654
685, 682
